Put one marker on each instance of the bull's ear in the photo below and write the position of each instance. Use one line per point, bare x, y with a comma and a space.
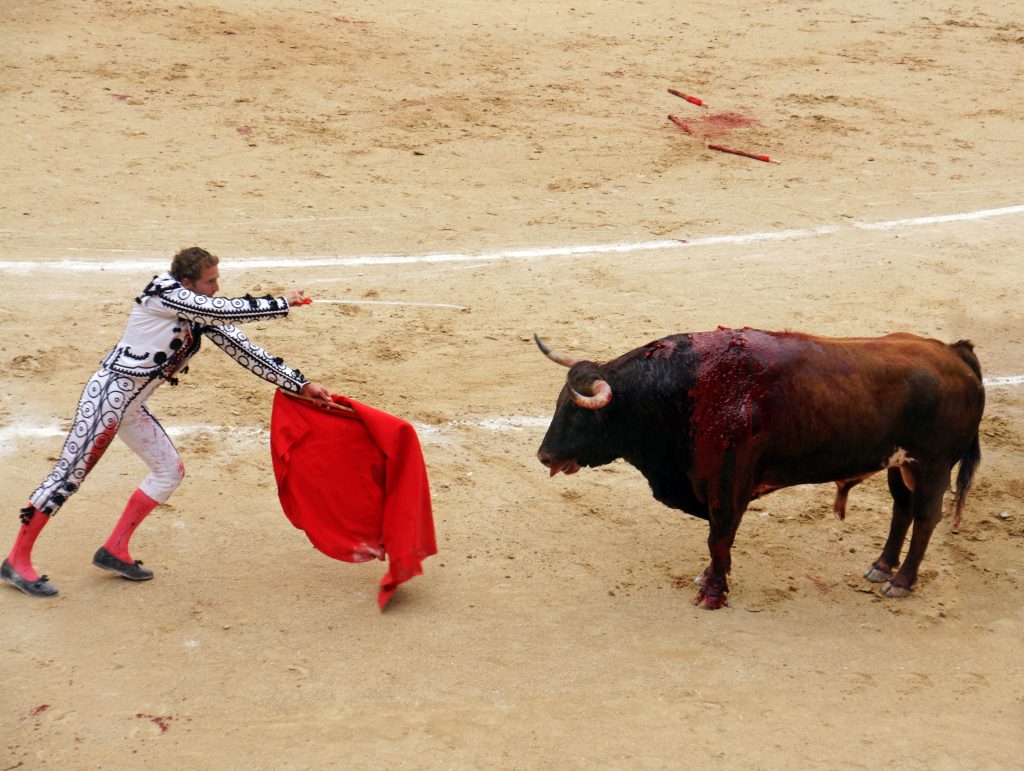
602, 396
582, 374
587, 386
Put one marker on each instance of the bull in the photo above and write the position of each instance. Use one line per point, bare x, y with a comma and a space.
714, 420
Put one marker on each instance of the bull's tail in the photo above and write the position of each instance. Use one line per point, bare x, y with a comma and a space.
964, 477
972, 456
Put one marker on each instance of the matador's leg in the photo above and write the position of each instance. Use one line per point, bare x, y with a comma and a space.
106, 398
147, 438
104, 401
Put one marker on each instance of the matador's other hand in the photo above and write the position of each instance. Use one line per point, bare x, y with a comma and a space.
296, 297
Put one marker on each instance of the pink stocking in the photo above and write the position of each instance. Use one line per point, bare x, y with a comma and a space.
138, 508
20, 557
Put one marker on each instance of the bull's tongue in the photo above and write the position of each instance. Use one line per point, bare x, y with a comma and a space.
567, 467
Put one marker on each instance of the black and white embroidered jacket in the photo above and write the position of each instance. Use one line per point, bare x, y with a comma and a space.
166, 326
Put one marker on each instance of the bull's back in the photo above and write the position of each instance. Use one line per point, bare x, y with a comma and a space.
814, 409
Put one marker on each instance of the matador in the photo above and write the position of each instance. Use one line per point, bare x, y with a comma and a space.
164, 330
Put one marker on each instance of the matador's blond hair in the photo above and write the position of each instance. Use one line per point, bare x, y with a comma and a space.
189, 263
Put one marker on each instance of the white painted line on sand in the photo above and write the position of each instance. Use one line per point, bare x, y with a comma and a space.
158, 263
505, 423
963, 216
999, 382
392, 302
10, 434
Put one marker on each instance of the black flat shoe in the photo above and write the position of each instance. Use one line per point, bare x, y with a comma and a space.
40, 588
133, 571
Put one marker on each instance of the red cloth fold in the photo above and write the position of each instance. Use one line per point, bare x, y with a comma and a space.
355, 483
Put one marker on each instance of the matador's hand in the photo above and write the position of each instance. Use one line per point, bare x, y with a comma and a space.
316, 391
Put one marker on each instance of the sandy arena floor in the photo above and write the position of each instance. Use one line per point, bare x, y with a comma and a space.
555, 627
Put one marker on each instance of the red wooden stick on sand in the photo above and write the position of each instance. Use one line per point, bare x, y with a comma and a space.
681, 125
688, 98
721, 149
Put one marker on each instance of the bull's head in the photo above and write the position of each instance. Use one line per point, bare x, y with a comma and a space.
576, 436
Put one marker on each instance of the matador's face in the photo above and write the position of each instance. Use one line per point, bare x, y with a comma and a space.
208, 282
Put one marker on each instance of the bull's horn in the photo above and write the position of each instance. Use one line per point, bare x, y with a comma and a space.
558, 358
602, 395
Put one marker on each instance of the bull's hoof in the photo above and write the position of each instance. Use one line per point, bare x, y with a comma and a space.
878, 574
713, 592
712, 602
894, 592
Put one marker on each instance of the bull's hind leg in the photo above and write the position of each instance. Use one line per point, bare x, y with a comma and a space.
926, 503
881, 570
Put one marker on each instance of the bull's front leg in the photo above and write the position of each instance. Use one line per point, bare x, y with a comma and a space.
727, 497
714, 584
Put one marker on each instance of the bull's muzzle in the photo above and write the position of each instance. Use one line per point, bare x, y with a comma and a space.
554, 465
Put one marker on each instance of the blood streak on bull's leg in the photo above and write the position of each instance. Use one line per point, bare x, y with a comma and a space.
728, 496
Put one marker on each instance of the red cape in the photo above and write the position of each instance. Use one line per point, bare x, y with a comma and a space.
356, 483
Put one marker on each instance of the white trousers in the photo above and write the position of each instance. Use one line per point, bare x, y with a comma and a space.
112, 405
